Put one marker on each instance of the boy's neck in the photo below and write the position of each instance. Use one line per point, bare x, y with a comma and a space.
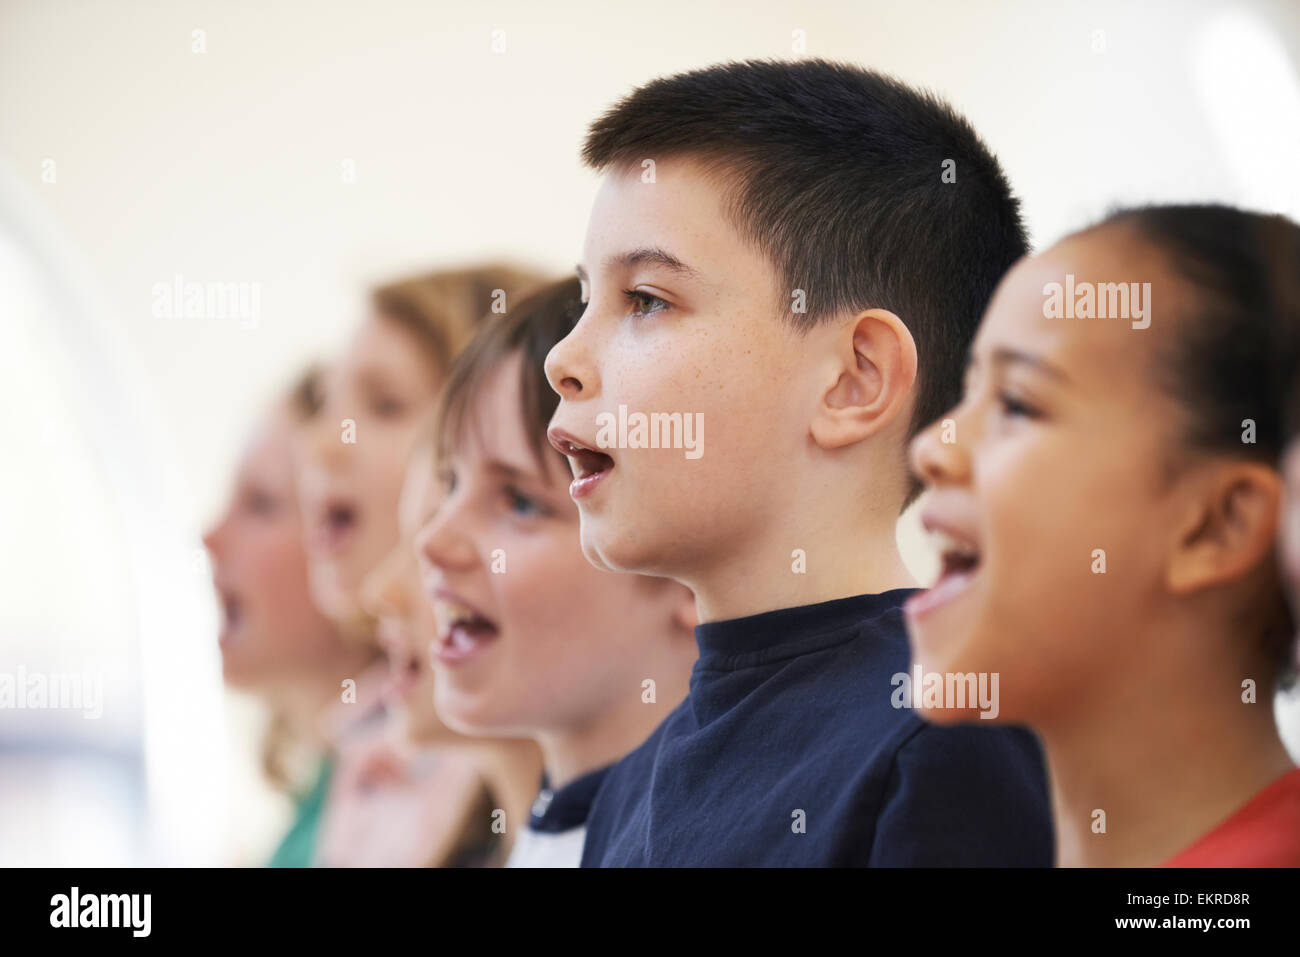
1166, 755
787, 570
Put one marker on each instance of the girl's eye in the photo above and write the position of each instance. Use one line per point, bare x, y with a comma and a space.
447, 478
521, 504
386, 407
259, 503
1011, 406
643, 303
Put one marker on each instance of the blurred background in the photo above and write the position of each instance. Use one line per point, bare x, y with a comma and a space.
312, 148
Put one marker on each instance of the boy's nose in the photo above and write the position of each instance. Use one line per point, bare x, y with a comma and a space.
567, 371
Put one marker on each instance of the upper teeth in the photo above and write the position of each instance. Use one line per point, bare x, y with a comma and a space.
452, 613
947, 544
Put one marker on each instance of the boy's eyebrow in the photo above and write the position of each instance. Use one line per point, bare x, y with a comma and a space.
1007, 356
653, 256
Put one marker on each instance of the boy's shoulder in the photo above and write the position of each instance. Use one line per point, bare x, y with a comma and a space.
626, 784
964, 795
767, 740
830, 680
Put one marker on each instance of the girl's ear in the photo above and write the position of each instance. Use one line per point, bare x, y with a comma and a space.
1232, 529
872, 372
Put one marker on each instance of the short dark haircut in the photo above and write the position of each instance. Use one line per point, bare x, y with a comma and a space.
1235, 353
838, 176
531, 327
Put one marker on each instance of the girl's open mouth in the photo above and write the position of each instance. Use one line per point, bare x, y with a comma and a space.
959, 561
404, 676
462, 631
337, 522
404, 665
232, 615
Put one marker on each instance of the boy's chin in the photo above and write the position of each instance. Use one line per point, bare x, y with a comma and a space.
611, 550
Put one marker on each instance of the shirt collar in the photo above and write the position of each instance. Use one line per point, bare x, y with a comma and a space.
738, 642
562, 809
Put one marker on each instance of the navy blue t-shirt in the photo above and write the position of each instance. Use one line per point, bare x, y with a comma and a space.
788, 751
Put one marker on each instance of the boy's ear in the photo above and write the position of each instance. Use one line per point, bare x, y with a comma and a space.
872, 375
1232, 529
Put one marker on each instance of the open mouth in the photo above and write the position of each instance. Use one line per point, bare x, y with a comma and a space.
404, 665
589, 465
959, 560
232, 615
957, 557
403, 676
463, 631
337, 523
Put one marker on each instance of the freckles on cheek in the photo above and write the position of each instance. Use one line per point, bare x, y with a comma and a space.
654, 368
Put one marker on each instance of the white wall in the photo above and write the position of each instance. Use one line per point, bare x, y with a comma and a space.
226, 165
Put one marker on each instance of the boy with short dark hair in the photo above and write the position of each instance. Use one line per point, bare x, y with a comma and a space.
797, 255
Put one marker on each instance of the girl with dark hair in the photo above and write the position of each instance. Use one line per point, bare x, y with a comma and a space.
1107, 500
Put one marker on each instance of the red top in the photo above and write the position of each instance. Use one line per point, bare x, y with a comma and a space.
1263, 833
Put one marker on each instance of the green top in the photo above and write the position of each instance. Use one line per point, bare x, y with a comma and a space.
298, 847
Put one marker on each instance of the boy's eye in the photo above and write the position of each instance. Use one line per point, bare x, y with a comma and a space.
447, 479
643, 303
